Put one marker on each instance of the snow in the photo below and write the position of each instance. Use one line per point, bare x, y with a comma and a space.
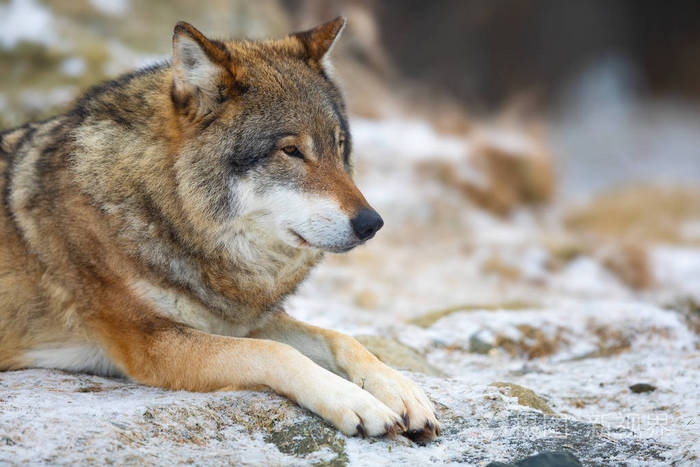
406, 139
38, 100
25, 20
74, 66
586, 276
509, 140
678, 267
93, 420
123, 58
111, 7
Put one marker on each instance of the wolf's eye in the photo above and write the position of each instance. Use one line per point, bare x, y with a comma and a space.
292, 151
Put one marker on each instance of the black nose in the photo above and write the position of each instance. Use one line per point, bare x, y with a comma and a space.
366, 223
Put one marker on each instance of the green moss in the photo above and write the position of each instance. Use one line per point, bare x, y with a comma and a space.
307, 437
526, 397
398, 355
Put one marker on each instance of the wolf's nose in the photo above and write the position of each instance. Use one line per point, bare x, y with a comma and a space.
366, 223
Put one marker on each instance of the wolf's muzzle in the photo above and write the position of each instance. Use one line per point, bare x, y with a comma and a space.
366, 223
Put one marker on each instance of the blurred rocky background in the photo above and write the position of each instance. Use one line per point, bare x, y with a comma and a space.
537, 163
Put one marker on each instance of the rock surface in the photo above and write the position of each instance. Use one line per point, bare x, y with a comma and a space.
525, 397
398, 355
545, 459
54, 417
642, 387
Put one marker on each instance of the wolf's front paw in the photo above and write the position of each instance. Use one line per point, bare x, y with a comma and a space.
405, 398
356, 412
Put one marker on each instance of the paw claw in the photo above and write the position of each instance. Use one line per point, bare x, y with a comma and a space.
361, 430
416, 418
391, 431
413, 435
429, 432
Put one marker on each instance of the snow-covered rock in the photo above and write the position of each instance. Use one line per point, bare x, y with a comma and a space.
51, 417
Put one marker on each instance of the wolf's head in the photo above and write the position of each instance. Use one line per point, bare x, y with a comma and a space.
263, 138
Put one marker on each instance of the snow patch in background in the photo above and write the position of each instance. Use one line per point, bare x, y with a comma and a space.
587, 277
73, 67
111, 7
123, 58
677, 269
39, 100
407, 140
25, 20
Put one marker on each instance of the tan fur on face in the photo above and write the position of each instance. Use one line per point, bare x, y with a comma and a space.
342, 188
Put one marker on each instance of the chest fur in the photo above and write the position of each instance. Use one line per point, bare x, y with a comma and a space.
230, 294
257, 270
181, 308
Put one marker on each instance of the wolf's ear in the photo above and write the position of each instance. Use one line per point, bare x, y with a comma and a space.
319, 41
200, 66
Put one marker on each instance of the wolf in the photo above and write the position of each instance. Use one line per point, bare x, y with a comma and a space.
154, 230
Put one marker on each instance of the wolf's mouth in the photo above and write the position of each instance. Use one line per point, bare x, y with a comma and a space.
302, 240
305, 243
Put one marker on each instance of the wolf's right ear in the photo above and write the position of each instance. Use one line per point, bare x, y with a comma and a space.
319, 41
200, 66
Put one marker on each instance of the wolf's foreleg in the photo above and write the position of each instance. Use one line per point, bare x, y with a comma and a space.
345, 356
159, 352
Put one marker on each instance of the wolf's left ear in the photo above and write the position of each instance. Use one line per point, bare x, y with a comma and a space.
200, 66
319, 41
